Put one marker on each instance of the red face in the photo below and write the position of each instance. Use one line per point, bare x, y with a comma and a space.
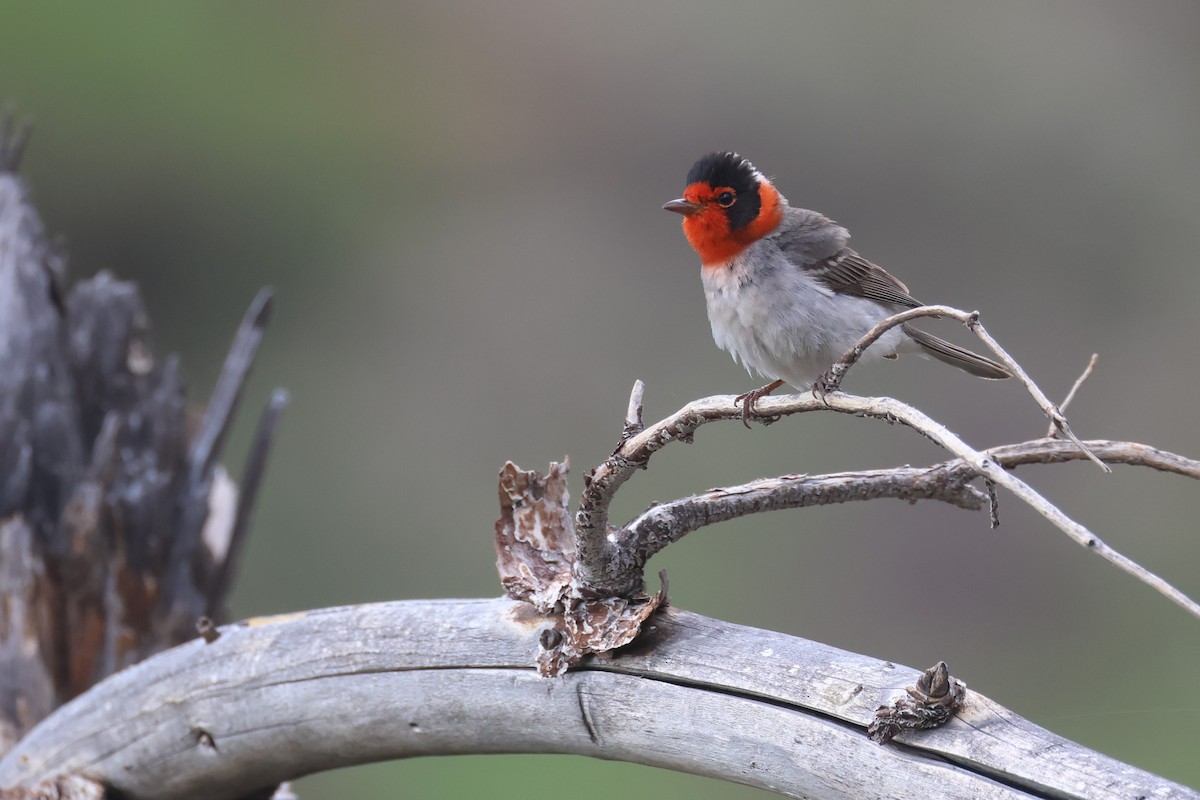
719, 223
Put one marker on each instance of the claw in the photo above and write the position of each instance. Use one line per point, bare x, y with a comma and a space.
827, 383
749, 399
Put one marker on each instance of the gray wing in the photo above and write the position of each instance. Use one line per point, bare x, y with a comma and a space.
849, 273
818, 245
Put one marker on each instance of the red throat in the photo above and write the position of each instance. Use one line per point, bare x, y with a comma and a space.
708, 230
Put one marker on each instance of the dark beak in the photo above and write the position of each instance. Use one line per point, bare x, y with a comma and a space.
681, 206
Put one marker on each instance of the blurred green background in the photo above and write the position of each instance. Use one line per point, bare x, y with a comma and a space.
458, 205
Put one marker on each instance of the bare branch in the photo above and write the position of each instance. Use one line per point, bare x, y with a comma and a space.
1087, 373
622, 568
987, 466
971, 320
603, 567
948, 482
662, 524
1054, 451
599, 487
275, 698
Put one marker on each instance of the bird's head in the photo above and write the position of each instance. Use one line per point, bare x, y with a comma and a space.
727, 206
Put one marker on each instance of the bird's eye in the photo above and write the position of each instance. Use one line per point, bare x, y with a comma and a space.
726, 199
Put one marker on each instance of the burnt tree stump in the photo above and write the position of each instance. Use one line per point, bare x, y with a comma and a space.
119, 530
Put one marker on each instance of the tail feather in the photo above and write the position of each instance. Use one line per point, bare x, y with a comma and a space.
957, 356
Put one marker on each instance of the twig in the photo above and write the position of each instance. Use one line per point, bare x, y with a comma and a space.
851, 356
622, 570
993, 503
592, 545
1087, 373
991, 470
217, 417
971, 321
1053, 412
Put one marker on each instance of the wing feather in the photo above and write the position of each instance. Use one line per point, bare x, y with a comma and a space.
849, 273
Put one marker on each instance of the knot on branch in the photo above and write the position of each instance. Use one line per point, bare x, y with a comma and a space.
930, 703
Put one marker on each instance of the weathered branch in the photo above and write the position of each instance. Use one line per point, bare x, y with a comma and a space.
662, 524
1053, 451
603, 565
948, 482
616, 564
276, 698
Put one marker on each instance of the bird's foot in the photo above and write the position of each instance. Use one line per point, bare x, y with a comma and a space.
749, 399
828, 382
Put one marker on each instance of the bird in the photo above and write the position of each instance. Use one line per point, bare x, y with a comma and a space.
787, 296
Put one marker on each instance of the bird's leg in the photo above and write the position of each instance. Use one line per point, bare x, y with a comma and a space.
750, 398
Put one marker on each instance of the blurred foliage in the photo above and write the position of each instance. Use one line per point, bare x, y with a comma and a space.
458, 206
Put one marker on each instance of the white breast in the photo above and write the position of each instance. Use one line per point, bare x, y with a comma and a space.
777, 321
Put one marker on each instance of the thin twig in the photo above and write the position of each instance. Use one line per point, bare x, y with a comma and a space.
971, 320
1053, 412
599, 562
1087, 373
206, 445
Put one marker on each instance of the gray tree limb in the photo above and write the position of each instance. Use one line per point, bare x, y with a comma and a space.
278, 697
948, 482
